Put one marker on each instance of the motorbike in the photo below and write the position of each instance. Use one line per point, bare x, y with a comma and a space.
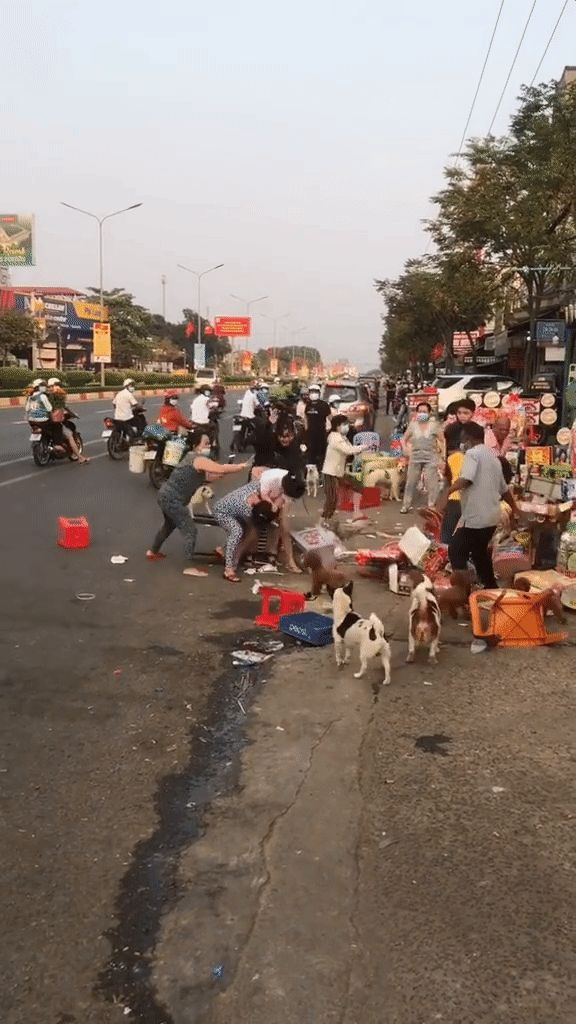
240, 429
215, 411
44, 449
119, 437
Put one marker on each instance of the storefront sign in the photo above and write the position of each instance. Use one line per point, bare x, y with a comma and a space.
548, 330
16, 240
102, 339
90, 310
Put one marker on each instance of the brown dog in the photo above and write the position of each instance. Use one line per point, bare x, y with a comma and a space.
323, 576
551, 602
452, 598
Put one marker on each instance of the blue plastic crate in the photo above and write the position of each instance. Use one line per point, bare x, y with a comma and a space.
309, 627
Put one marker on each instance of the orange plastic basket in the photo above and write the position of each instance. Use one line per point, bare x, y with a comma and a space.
515, 618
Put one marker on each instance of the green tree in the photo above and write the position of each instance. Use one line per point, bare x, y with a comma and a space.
17, 334
130, 325
512, 199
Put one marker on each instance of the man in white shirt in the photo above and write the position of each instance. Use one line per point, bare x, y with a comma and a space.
124, 404
250, 403
200, 408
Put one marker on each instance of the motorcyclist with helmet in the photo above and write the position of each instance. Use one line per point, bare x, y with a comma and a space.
39, 411
170, 416
127, 410
63, 415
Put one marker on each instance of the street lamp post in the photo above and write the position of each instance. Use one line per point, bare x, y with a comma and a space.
100, 221
199, 275
275, 321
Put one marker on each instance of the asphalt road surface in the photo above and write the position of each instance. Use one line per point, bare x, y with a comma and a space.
185, 841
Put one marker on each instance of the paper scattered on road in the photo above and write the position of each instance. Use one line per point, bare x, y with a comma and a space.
119, 559
129, 581
427, 683
498, 789
249, 657
478, 646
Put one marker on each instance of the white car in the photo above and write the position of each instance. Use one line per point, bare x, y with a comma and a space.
206, 375
452, 386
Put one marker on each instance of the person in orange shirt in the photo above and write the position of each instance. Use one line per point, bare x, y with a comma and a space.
170, 415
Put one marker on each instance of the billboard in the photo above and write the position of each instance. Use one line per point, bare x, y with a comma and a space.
16, 240
102, 343
233, 326
200, 356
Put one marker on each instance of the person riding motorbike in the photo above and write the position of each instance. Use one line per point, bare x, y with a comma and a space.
127, 411
170, 415
39, 410
60, 411
219, 393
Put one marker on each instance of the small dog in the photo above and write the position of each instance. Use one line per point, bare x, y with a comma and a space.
201, 498
392, 478
451, 599
351, 630
551, 599
312, 480
425, 620
322, 576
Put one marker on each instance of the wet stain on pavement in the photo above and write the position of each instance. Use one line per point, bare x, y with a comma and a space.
433, 744
150, 887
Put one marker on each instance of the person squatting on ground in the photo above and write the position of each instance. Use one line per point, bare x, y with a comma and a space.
423, 443
339, 450
482, 486
234, 513
176, 494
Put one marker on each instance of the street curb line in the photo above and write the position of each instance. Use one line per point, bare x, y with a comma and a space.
99, 396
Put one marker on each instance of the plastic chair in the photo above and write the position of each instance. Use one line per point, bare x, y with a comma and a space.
514, 619
289, 602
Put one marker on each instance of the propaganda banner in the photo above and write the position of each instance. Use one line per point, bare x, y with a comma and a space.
16, 240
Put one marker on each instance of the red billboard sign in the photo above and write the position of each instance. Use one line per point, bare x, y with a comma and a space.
233, 326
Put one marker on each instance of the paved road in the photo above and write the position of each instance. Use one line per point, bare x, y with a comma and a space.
184, 842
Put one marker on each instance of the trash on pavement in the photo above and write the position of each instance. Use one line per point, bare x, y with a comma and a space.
498, 789
119, 559
218, 971
85, 597
249, 657
129, 581
478, 646
427, 682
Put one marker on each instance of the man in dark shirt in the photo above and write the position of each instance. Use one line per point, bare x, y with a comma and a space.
317, 413
464, 409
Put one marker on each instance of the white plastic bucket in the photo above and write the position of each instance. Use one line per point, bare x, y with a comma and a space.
136, 458
173, 452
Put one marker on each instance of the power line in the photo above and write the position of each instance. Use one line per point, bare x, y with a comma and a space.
553, 33
480, 80
512, 66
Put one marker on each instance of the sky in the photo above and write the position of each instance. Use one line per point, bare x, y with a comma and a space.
298, 144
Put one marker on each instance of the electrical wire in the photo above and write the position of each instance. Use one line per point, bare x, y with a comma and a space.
553, 33
480, 80
512, 66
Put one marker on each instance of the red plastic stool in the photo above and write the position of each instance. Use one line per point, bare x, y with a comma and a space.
73, 533
289, 603
371, 498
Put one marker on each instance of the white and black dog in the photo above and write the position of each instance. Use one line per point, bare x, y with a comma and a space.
351, 630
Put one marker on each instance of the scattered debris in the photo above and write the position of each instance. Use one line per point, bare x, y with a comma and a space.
498, 789
117, 671
241, 706
279, 728
85, 597
129, 581
478, 646
249, 657
119, 559
218, 971
433, 744
427, 683
250, 572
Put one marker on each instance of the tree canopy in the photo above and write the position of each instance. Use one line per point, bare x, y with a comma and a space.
17, 333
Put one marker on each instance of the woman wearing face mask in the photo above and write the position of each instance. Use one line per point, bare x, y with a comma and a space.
423, 443
177, 492
339, 449
170, 415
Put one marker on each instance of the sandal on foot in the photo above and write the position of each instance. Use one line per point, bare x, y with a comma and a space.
194, 572
232, 578
154, 556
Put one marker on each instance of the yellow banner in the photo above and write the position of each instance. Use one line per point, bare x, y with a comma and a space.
102, 343
89, 310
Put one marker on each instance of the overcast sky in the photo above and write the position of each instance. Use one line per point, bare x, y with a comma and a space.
295, 143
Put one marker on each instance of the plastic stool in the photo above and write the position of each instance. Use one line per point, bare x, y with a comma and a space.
73, 533
371, 498
517, 619
290, 602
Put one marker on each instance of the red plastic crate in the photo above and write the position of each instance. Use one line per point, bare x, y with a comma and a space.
371, 498
289, 602
73, 533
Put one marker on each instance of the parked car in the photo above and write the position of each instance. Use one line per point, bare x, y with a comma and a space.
355, 401
452, 386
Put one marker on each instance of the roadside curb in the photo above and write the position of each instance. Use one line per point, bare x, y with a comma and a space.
99, 396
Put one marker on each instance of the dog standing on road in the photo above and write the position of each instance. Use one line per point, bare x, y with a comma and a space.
425, 620
312, 481
201, 497
351, 630
392, 478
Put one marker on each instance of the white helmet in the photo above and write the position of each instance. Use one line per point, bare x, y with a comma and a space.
52, 381
36, 383
127, 382
335, 400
